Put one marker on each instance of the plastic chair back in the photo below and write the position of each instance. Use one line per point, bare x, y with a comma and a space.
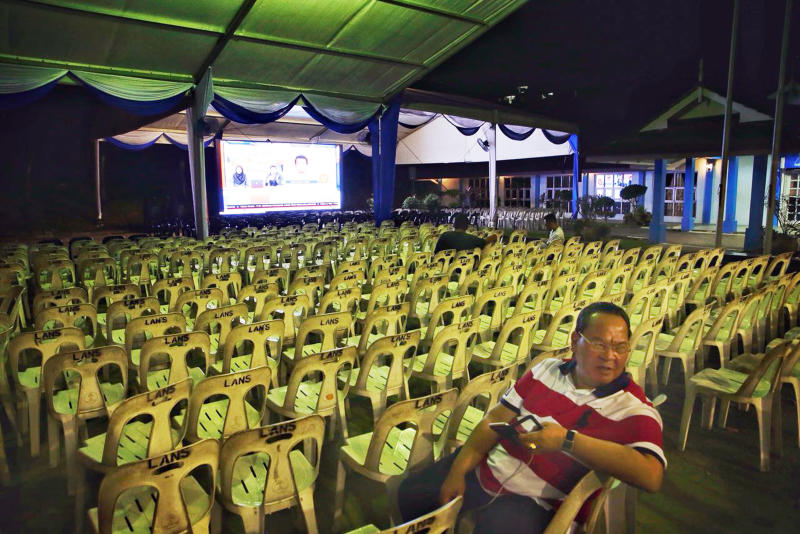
235, 387
166, 474
178, 348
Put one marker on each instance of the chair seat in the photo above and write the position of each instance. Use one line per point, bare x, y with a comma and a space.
395, 453
30, 377
304, 403
132, 444
636, 359
664, 340
308, 350
250, 476
376, 379
134, 509
211, 419
366, 529
472, 416
66, 400
483, 351
160, 378
727, 381
242, 363
442, 367
118, 336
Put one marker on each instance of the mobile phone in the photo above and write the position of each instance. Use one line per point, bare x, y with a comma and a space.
505, 430
510, 430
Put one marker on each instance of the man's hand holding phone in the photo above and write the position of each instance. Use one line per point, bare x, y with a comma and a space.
545, 437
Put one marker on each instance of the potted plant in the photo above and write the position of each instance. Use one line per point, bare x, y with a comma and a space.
786, 239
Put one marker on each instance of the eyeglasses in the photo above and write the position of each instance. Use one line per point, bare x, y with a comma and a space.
622, 349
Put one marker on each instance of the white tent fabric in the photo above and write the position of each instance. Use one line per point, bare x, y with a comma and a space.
130, 88
440, 142
20, 78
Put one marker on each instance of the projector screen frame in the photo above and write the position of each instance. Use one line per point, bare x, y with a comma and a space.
263, 211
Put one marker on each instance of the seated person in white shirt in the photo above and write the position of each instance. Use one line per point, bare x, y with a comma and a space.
556, 232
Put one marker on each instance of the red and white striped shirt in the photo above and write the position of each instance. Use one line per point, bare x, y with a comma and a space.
618, 411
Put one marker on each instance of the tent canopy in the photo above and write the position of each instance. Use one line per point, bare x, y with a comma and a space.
357, 49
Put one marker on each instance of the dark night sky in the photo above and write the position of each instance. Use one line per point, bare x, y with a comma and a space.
612, 66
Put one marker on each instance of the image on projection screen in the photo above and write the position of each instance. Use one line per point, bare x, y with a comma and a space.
262, 176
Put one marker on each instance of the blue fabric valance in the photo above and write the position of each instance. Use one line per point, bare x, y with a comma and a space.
341, 115
252, 106
557, 138
137, 95
20, 85
131, 146
516, 133
465, 126
185, 146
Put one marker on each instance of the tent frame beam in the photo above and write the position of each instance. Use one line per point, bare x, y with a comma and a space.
225, 38
408, 4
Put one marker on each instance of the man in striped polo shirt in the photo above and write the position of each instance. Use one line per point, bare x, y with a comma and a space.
593, 417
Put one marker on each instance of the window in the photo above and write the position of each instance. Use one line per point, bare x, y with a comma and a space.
673, 199
793, 196
517, 191
610, 185
555, 185
479, 192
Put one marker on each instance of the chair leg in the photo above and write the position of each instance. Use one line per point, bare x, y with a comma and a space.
709, 405
686, 417
80, 498
5, 474
392, 490
341, 414
777, 425
306, 500
341, 477
665, 368
764, 415
34, 416
71, 451
252, 519
216, 518
796, 387
53, 440
722, 416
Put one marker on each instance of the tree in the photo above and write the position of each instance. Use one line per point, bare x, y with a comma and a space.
632, 192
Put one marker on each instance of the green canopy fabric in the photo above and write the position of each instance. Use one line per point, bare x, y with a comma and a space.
357, 49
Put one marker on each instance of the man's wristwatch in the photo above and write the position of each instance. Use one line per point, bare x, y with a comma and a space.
569, 441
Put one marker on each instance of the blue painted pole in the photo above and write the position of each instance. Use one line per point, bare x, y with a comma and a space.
708, 192
585, 188
641, 177
537, 187
777, 195
754, 234
576, 172
658, 232
729, 225
687, 221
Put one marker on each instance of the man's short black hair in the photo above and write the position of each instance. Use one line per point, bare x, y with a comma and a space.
550, 218
301, 157
585, 316
460, 222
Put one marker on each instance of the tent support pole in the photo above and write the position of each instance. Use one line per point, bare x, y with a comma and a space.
97, 182
726, 130
197, 157
777, 126
493, 173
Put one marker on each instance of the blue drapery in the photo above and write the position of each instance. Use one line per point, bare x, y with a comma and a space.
141, 146
556, 138
131, 146
185, 146
516, 136
16, 100
384, 149
576, 171
467, 127
241, 114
